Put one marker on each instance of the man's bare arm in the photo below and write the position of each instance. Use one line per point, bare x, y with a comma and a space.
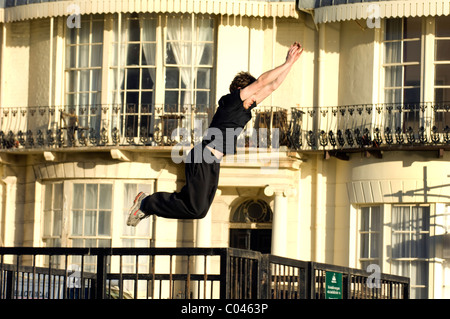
270, 80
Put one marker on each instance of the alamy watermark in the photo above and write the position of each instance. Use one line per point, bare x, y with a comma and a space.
74, 18
253, 146
373, 18
374, 280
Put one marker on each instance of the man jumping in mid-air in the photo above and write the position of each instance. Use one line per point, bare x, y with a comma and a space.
203, 161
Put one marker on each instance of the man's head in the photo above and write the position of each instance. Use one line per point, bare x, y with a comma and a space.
241, 80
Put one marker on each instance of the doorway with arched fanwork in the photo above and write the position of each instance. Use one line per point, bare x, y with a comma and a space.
251, 226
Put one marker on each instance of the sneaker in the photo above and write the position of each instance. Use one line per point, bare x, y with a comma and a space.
136, 214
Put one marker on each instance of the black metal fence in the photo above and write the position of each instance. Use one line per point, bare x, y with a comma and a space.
173, 273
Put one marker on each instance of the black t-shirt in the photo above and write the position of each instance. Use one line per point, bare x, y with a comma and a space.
227, 123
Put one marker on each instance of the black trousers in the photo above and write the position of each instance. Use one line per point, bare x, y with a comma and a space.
196, 196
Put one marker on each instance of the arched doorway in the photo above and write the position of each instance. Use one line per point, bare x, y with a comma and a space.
251, 226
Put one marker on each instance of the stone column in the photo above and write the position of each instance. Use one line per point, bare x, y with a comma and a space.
280, 218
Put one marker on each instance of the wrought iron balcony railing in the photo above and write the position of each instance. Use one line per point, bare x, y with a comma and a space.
376, 126
124, 125
350, 127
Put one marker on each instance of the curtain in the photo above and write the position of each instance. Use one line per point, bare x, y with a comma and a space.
410, 241
120, 59
182, 36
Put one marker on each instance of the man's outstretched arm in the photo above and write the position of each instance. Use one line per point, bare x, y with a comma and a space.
269, 81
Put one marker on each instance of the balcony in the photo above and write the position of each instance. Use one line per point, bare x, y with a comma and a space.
376, 127
180, 273
336, 130
94, 126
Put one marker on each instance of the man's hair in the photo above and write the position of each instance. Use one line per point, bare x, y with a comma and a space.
241, 80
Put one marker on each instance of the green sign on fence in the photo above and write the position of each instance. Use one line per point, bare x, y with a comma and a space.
333, 285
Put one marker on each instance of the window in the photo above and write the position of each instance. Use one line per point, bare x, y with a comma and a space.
91, 215
133, 68
53, 210
135, 236
188, 66
410, 246
370, 236
157, 95
442, 71
83, 70
402, 65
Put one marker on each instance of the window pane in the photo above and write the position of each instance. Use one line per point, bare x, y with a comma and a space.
104, 223
413, 28
97, 31
393, 52
47, 223
78, 196
96, 56
393, 96
412, 51
84, 31
411, 96
443, 50
442, 26
442, 95
393, 29
48, 197
172, 78
133, 79
171, 99
203, 78
375, 222
91, 196
71, 56
133, 54
393, 76
364, 246
84, 80
202, 99
90, 223
374, 245
133, 30
204, 52
170, 57
71, 81
77, 223
58, 196
146, 82
83, 56
105, 196
412, 75
57, 223
442, 74
148, 53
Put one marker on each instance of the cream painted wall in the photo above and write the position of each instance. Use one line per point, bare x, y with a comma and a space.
15, 64
356, 64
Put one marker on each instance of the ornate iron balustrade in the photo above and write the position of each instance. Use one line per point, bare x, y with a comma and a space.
375, 126
125, 125
350, 127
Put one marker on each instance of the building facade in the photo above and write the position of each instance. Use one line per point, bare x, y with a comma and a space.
346, 163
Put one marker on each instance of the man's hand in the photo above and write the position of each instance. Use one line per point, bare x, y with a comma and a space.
294, 53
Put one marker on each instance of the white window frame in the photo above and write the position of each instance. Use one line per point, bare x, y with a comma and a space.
374, 260
118, 213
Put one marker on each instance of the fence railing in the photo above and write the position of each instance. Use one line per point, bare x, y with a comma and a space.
303, 128
177, 273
